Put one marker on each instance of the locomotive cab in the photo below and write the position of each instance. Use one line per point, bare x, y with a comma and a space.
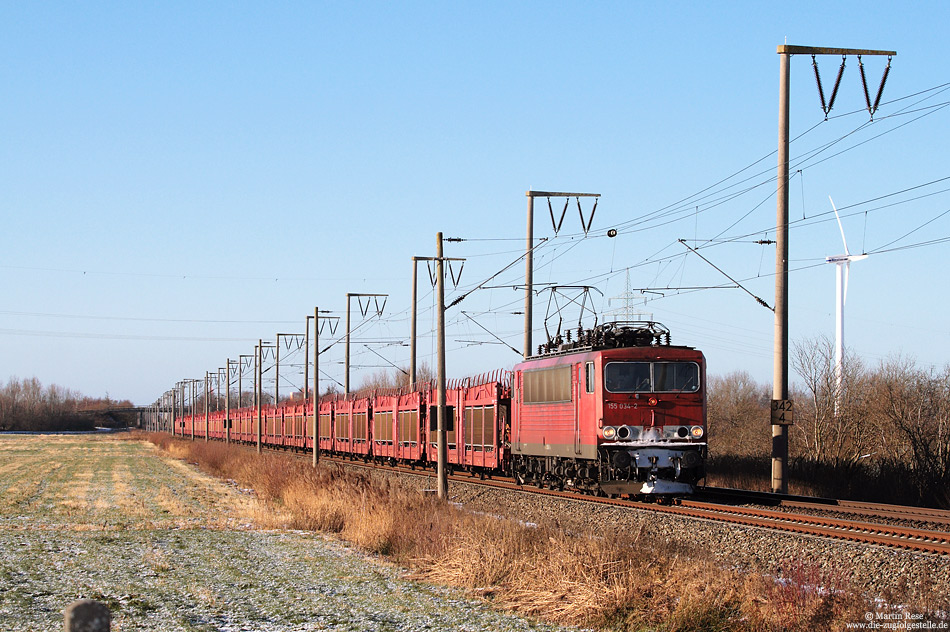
618, 411
652, 432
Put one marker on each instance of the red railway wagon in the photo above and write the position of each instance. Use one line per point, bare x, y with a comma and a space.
297, 427
282, 419
204, 424
618, 410
283, 426
485, 407
477, 410
341, 425
242, 425
397, 420
195, 424
187, 426
220, 423
410, 409
216, 424
227, 425
199, 424
361, 414
351, 420
325, 425
385, 435
307, 427
268, 425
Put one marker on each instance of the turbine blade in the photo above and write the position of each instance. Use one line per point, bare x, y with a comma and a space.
840, 227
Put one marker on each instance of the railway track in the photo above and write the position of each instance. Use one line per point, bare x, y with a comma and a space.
928, 541
894, 536
901, 537
853, 507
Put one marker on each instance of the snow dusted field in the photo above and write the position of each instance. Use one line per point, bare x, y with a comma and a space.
168, 548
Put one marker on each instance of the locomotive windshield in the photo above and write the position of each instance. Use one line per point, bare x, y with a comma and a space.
651, 377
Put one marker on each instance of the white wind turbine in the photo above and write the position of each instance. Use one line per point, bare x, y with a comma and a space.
843, 263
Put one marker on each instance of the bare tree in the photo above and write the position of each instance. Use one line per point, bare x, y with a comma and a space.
381, 379
28, 405
10, 403
397, 377
831, 422
738, 408
914, 406
425, 374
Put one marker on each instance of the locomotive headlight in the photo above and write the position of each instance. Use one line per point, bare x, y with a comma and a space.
610, 432
697, 432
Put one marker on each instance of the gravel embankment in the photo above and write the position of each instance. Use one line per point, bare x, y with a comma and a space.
876, 571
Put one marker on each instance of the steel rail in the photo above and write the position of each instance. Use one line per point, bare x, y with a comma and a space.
900, 512
936, 542
933, 542
856, 507
889, 535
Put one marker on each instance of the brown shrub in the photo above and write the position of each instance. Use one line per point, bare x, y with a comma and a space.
609, 580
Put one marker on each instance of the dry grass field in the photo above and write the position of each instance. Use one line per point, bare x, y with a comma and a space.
605, 579
267, 543
169, 548
83, 482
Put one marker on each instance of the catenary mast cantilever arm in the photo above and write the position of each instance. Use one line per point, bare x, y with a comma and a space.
786, 49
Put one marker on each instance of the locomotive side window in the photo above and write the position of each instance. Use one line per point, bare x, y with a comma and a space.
589, 376
651, 377
546, 386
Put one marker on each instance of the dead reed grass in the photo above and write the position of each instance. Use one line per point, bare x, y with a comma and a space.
615, 581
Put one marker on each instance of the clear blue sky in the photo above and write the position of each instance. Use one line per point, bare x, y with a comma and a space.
178, 180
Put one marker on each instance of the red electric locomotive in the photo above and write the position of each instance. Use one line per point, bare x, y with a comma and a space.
619, 410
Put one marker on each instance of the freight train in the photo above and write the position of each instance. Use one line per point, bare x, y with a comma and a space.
612, 410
